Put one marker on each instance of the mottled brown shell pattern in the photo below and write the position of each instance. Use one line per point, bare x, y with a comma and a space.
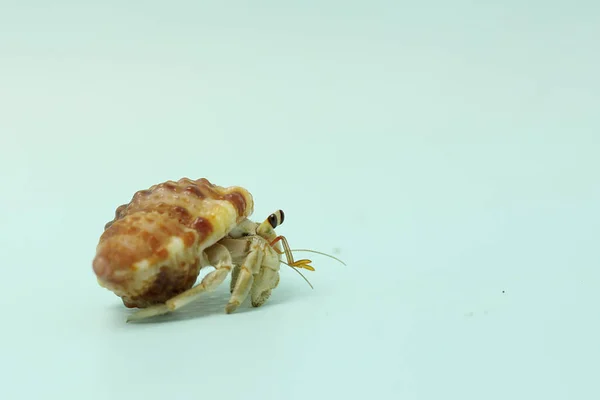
151, 250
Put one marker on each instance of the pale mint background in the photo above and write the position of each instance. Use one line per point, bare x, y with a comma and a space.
447, 150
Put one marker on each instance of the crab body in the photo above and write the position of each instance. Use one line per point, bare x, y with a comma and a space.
152, 252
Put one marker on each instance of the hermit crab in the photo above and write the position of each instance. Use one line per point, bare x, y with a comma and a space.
151, 253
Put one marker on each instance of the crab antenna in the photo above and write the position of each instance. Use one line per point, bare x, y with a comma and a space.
321, 253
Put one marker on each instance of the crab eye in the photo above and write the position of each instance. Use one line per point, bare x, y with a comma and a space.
273, 220
276, 219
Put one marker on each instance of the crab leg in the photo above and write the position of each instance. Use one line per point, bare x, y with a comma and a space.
266, 280
148, 312
245, 278
218, 256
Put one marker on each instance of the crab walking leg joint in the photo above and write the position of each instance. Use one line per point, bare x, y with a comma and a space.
216, 255
257, 276
245, 279
151, 253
